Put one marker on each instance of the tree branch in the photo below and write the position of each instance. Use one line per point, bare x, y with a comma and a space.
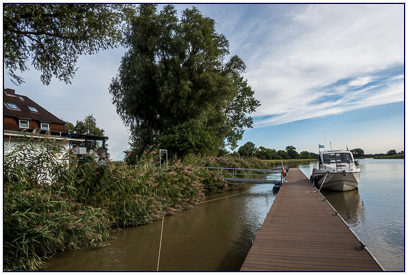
27, 33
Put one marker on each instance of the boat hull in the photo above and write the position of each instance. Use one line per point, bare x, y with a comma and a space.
336, 181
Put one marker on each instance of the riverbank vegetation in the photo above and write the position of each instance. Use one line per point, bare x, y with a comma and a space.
54, 202
391, 154
400, 155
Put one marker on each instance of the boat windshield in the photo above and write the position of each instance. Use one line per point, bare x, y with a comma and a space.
337, 157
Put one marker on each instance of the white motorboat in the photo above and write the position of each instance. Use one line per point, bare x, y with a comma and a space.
337, 171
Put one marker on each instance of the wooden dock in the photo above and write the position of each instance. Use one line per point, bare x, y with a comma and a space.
302, 232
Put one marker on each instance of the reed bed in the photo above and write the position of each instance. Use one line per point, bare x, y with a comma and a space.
53, 202
40, 218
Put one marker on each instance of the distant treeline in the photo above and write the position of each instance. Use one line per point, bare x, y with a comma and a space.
250, 150
391, 154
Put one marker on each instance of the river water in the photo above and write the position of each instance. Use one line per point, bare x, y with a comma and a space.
216, 236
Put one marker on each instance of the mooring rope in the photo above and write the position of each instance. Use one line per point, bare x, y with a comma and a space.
223, 197
162, 227
160, 245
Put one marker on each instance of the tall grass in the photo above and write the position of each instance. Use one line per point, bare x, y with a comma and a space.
41, 218
53, 202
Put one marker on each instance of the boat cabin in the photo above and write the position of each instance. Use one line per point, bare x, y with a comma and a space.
337, 160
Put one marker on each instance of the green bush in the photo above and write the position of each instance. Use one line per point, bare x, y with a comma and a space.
41, 219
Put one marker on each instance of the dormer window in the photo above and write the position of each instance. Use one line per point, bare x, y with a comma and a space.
45, 126
11, 106
33, 109
21, 98
24, 124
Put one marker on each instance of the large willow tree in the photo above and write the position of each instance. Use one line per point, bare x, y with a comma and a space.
175, 86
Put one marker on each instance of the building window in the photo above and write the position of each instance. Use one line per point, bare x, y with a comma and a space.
45, 126
11, 106
32, 109
25, 124
21, 98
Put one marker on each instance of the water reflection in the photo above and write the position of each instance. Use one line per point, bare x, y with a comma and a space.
348, 204
215, 236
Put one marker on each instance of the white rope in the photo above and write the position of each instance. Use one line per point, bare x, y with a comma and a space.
161, 233
325, 176
161, 238
223, 197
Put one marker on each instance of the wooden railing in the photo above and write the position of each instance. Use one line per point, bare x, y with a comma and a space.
249, 176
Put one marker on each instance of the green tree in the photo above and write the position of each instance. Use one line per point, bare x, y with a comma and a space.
291, 150
174, 87
358, 152
305, 155
314, 155
283, 154
262, 153
247, 150
266, 153
52, 36
222, 152
85, 127
392, 152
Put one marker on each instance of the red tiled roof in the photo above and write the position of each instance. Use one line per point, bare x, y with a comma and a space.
23, 103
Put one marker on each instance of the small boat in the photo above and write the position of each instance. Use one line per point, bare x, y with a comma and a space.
337, 171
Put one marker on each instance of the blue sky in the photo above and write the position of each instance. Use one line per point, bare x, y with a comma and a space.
318, 68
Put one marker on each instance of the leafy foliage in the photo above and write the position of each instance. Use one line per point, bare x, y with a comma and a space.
174, 87
247, 150
52, 36
291, 150
305, 155
85, 127
53, 203
250, 150
41, 215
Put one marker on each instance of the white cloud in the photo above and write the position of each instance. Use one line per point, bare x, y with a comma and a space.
360, 81
321, 45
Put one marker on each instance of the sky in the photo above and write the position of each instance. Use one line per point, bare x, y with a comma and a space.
323, 73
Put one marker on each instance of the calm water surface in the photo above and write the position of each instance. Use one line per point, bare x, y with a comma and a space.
216, 236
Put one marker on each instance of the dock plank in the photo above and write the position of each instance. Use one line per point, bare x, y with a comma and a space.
302, 232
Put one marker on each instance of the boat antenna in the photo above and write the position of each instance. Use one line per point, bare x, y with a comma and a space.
324, 133
330, 146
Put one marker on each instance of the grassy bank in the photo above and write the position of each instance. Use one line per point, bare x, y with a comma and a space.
397, 156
